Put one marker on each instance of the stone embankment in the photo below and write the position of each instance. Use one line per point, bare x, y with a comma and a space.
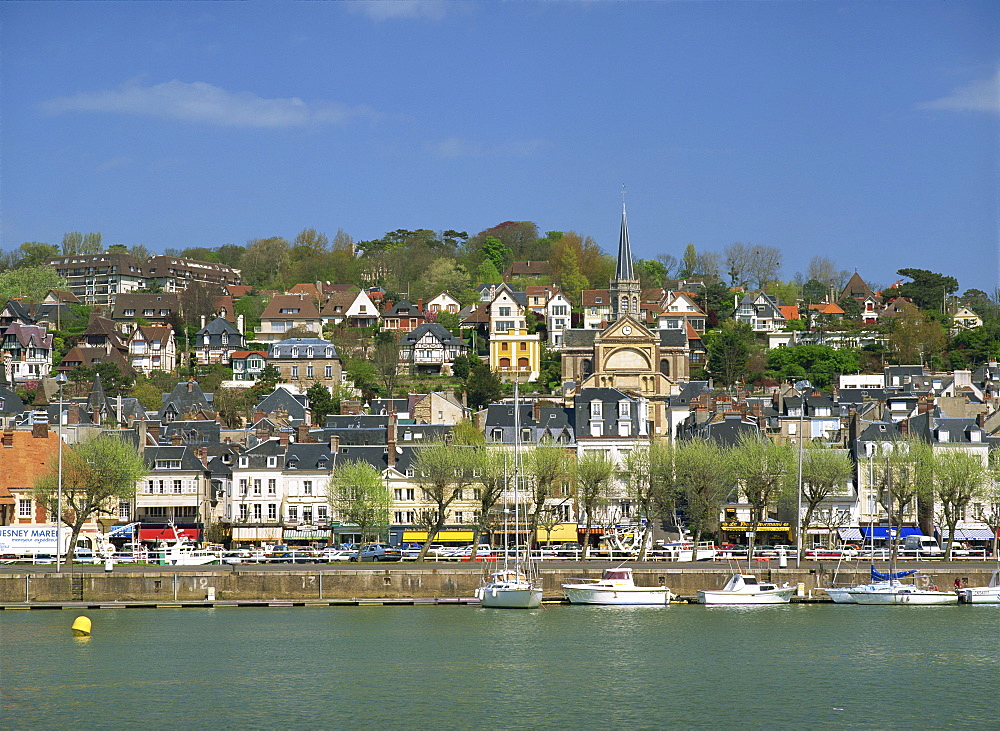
398, 582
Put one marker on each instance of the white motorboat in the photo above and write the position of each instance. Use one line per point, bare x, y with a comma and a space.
745, 589
616, 586
516, 585
989, 594
181, 552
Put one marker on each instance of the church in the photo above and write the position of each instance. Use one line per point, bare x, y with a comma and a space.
625, 354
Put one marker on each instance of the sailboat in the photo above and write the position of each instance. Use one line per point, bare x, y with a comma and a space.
887, 589
516, 585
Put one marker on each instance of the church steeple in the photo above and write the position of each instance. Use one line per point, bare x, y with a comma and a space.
625, 289
624, 268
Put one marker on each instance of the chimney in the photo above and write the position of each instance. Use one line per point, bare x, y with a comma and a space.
8, 436
154, 431
176, 439
283, 437
202, 454
420, 304
239, 323
142, 436
536, 410
334, 445
904, 427
390, 438
202, 322
191, 386
302, 435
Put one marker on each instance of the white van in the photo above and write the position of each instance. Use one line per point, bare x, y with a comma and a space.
922, 547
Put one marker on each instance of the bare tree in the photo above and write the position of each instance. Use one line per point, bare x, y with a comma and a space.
442, 471
906, 480
649, 482
737, 263
765, 263
549, 470
359, 495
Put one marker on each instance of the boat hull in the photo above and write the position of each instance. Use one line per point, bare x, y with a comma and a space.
840, 596
905, 596
979, 595
509, 597
637, 595
775, 596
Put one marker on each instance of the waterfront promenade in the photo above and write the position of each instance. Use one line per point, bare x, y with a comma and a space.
409, 583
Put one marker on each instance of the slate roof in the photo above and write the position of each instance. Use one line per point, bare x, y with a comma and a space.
299, 348
440, 332
215, 329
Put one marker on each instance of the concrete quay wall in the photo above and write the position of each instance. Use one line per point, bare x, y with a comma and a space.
398, 581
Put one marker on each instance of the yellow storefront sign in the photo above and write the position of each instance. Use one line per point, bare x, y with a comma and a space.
445, 536
562, 533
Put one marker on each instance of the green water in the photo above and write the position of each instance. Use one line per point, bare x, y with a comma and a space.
465, 667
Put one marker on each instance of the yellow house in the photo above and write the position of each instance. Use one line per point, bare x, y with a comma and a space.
515, 355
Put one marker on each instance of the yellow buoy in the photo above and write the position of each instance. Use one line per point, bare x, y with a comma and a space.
81, 626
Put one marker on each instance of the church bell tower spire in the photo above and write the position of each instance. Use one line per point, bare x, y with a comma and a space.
625, 288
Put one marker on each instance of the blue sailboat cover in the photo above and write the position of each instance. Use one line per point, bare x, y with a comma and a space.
879, 576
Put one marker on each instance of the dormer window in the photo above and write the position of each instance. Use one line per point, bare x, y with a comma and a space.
272, 461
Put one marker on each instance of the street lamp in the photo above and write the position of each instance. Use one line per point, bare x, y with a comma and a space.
61, 379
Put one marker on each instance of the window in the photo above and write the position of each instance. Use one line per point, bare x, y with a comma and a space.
272, 487
272, 461
124, 510
307, 513
24, 508
307, 487
624, 408
177, 487
595, 409
243, 487
168, 464
309, 371
244, 512
504, 312
321, 514
256, 487
295, 371
328, 372
293, 513
404, 493
258, 512
272, 511
598, 300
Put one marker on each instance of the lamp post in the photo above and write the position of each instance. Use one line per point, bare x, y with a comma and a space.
800, 386
61, 379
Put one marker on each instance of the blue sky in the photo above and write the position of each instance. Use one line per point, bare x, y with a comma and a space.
866, 132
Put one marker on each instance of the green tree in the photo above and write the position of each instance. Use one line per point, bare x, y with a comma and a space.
489, 469
497, 253
461, 366
821, 364
906, 483
35, 253
320, 402
705, 475
959, 479
114, 382
97, 476
547, 473
767, 472
487, 272
442, 472
360, 496
928, 290
689, 262
483, 386
148, 395
650, 484
824, 472
729, 351
31, 283
594, 471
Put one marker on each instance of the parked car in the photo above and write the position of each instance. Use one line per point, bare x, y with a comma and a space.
378, 552
294, 555
336, 554
828, 553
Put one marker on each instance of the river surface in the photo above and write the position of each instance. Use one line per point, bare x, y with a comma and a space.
464, 667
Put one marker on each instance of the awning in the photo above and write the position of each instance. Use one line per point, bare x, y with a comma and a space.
882, 531
850, 534
120, 531
167, 534
970, 533
306, 535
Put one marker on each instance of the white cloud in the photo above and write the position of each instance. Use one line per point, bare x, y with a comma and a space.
394, 9
457, 147
977, 96
204, 103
